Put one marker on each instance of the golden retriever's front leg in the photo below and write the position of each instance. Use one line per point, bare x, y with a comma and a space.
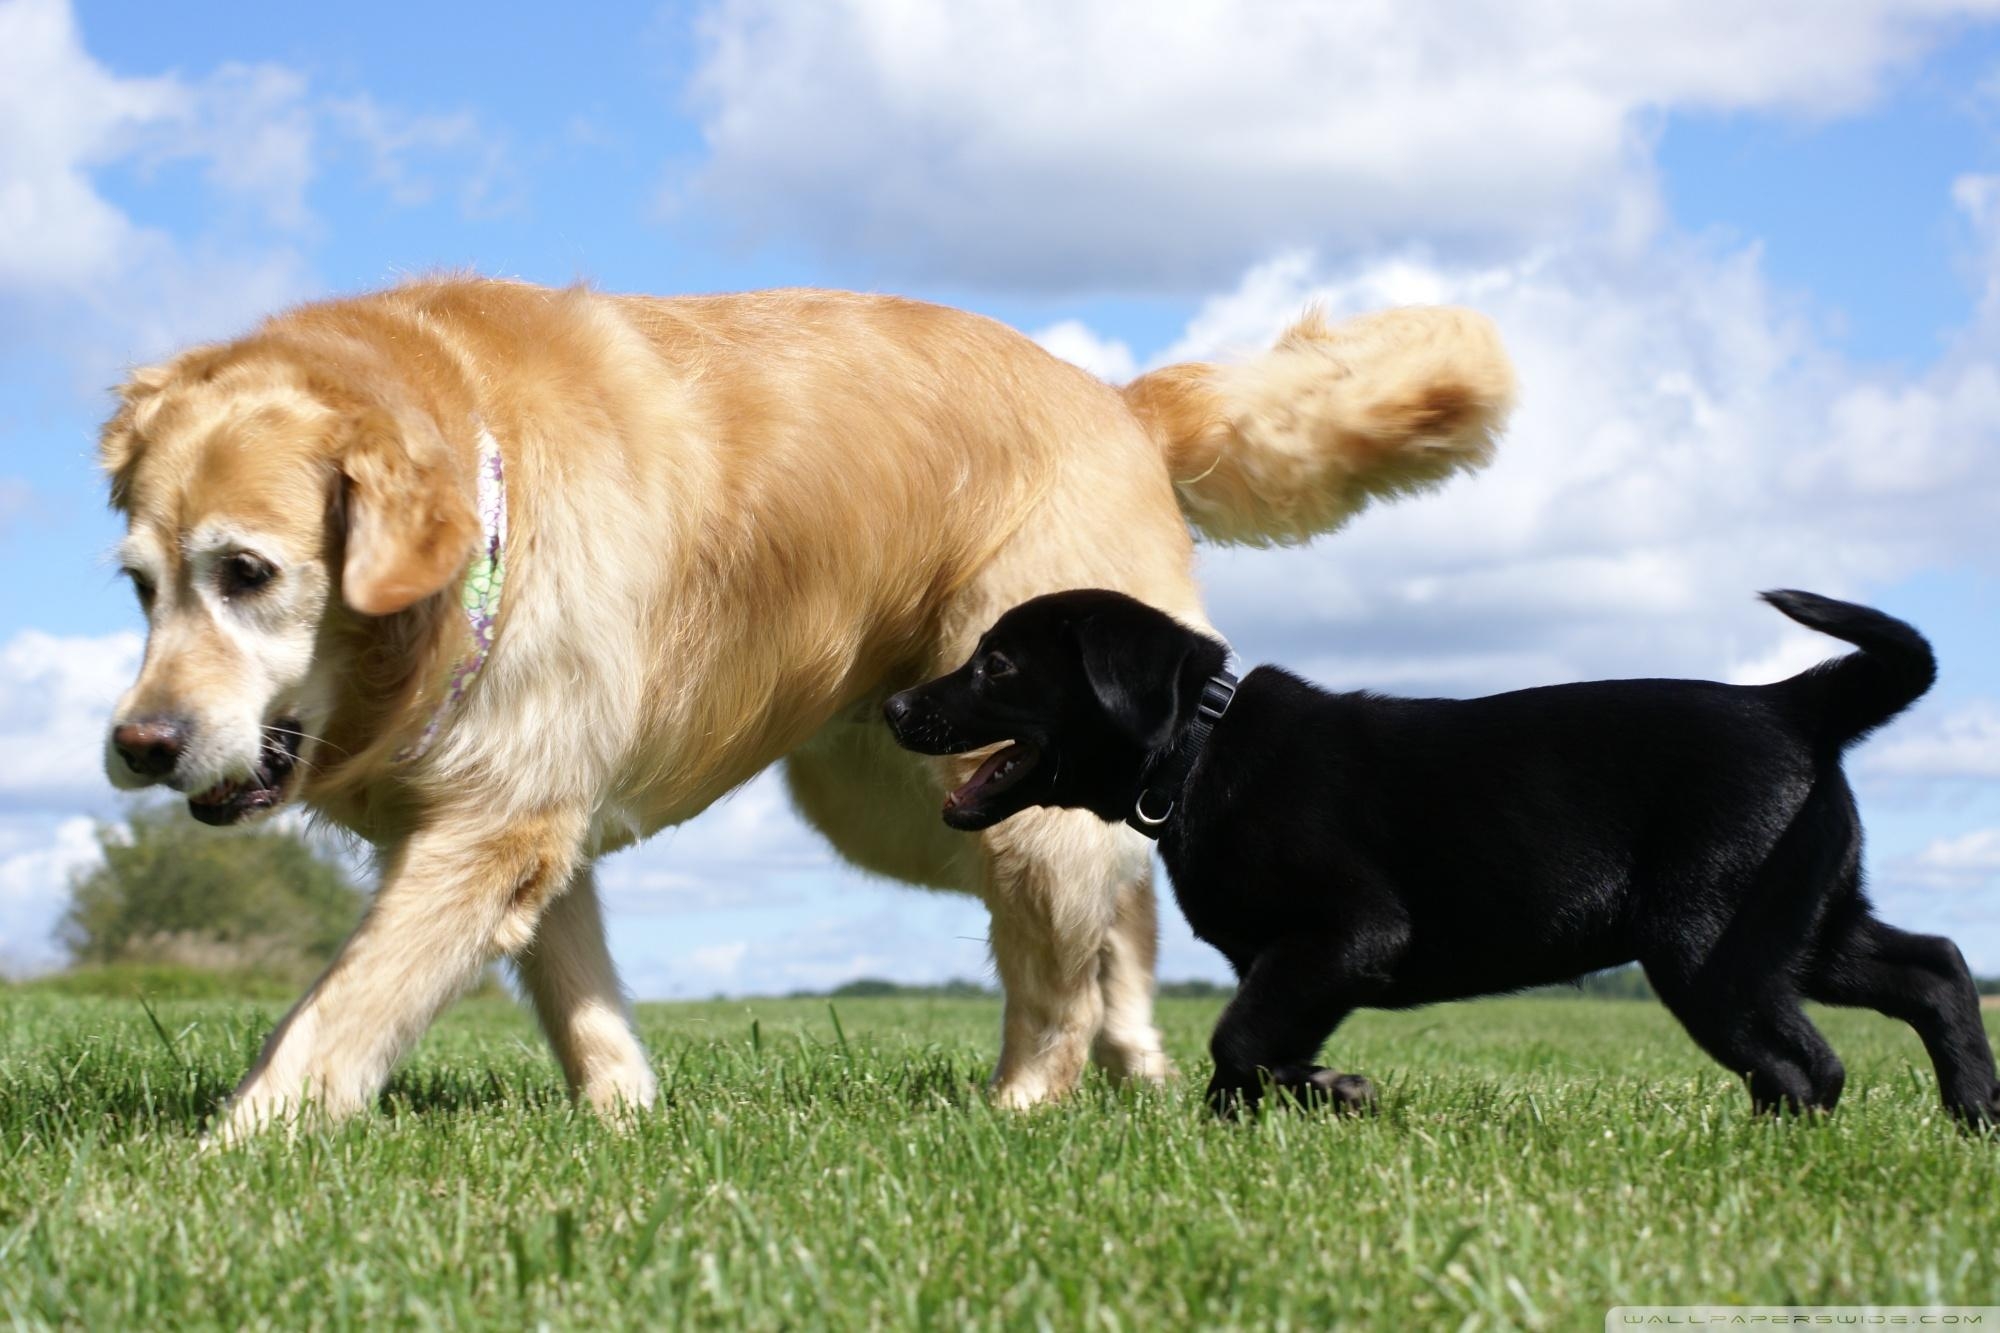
568, 973
1050, 1013
1128, 1046
454, 897
1052, 882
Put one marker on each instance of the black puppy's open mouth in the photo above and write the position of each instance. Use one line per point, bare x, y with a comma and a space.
1002, 769
234, 799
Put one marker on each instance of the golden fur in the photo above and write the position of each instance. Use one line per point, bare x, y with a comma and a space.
736, 523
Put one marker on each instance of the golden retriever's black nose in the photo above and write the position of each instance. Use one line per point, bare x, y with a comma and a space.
151, 747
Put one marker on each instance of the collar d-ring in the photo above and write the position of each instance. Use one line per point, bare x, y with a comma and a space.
1151, 821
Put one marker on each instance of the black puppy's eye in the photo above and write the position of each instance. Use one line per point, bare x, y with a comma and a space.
244, 573
995, 666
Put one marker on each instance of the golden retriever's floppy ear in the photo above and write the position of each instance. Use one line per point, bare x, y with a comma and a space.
119, 444
411, 522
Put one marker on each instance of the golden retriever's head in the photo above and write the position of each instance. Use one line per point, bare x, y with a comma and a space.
273, 503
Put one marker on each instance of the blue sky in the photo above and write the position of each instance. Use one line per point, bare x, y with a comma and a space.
1746, 259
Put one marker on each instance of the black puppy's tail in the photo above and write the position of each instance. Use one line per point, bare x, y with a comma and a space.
1859, 692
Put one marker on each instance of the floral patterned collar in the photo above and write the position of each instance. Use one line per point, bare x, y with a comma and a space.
478, 595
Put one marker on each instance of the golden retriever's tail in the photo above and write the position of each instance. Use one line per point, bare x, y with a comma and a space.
1299, 440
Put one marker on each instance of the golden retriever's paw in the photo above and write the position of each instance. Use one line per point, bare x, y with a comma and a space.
1135, 1063
1022, 1094
273, 1103
249, 1117
620, 1096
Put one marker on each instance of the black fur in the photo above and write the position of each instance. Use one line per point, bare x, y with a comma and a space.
1351, 850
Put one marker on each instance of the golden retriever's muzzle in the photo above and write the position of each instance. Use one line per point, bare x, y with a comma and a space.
152, 748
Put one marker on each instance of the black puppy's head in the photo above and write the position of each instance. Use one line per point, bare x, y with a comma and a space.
1085, 686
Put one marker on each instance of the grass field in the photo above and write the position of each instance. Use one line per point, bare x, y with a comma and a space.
1538, 1160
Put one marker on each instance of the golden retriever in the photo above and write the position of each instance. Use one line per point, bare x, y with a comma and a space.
698, 535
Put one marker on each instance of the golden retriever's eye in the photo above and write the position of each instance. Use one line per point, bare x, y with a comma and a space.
143, 586
244, 573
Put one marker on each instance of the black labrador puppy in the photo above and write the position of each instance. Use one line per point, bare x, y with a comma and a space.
1351, 850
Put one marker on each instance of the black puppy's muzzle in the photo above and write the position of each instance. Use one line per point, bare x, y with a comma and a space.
918, 724
896, 711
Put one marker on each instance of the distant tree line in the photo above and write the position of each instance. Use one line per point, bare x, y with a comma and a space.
961, 988
1614, 983
867, 988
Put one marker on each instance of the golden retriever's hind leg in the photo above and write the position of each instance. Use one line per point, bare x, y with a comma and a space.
568, 974
454, 898
1128, 1046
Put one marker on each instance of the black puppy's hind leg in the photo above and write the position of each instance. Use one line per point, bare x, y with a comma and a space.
1758, 1032
1923, 980
1288, 1002
1732, 976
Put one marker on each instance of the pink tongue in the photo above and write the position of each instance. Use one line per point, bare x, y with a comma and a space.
985, 771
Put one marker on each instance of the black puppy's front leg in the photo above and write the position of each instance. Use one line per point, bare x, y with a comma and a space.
1291, 998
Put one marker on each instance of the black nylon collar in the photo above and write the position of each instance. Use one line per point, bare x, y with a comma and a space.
1160, 792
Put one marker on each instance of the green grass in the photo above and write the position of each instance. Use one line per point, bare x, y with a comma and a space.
1538, 1160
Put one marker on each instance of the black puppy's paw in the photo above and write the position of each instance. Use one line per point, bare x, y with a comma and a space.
1979, 1118
1315, 1087
1232, 1096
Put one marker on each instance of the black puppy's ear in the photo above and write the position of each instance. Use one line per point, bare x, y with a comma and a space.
1142, 670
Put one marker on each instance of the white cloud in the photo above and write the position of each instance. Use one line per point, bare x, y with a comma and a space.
1967, 861
253, 128
38, 855
1795, 651
717, 963
412, 157
1977, 851
1978, 198
1963, 743
840, 928
62, 114
905, 938
1073, 341
81, 272
64, 117
56, 696
846, 929
35, 854
746, 851
748, 899
1064, 145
